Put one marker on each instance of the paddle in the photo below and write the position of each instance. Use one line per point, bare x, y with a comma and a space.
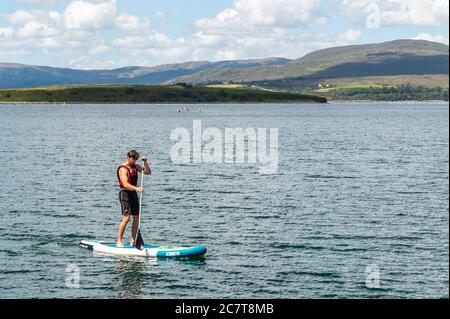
139, 242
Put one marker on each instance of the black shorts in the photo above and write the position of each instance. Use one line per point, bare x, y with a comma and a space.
129, 202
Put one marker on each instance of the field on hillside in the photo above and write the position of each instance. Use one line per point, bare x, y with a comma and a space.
429, 81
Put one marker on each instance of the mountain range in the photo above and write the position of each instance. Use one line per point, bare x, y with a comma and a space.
399, 60
14, 75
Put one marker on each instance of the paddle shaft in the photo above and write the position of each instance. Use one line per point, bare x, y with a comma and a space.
140, 201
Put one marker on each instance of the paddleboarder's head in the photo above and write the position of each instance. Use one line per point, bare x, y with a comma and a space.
133, 156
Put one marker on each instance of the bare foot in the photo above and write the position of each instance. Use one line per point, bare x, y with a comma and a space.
119, 244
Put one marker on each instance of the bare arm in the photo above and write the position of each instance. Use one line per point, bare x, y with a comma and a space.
123, 175
146, 168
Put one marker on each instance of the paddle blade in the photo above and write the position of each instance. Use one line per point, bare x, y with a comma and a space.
139, 241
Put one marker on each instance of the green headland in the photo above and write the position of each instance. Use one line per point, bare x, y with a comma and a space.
177, 93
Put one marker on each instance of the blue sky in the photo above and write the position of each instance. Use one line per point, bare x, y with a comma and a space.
93, 34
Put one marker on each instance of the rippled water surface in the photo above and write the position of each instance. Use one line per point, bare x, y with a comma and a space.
359, 187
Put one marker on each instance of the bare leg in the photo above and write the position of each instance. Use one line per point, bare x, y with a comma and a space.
123, 224
134, 229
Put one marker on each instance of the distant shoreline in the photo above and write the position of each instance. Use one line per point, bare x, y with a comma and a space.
387, 101
151, 94
181, 104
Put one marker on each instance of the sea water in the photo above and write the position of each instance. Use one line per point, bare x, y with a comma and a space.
357, 208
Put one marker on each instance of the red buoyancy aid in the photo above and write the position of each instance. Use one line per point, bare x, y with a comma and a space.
132, 175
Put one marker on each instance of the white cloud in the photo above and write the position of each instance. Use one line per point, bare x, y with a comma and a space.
49, 43
248, 29
12, 53
264, 13
127, 22
397, 12
151, 40
43, 2
85, 15
227, 55
6, 32
130, 22
75, 31
20, 17
349, 36
176, 53
36, 29
321, 21
429, 37
286, 13
441, 9
160, 16
100, 49
55, 16
87, 63
223, 20
202, 39
252, 45
260, 28
81, 36
410, 13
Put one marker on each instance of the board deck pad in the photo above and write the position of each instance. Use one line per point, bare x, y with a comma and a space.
145, 246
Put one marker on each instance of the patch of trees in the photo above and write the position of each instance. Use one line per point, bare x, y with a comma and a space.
391, 93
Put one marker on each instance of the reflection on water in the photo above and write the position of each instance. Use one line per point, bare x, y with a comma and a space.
130, 272
136, 275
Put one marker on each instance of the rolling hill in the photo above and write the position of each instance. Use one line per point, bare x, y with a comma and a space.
399, 57
14, 75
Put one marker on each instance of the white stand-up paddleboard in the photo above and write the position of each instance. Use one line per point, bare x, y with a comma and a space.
141, 249
148, 251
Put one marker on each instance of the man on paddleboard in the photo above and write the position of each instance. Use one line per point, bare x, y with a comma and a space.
127, 174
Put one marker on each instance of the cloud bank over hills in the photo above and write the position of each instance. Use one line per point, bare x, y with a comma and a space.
105, 34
